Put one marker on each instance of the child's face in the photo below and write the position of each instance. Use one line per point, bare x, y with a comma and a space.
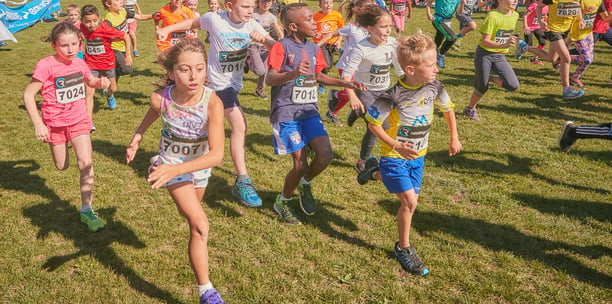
176, 3
508, 4
114, 5
189, 72
213, 6
240, 10
67, 46
382, 29
265, 5
326, 5
73, 16
427, 70
91, 22
193, 6
304, 22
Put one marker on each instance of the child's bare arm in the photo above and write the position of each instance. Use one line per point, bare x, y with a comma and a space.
404, 149
29, 101
149, 118
455, 145
327, 36
191, 24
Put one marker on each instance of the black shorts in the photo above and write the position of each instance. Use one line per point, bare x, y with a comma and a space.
555, 36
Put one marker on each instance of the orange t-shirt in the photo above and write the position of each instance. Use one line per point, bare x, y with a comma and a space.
169, 17
328, 23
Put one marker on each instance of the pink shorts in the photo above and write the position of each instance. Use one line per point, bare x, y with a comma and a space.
132, 26
61, 135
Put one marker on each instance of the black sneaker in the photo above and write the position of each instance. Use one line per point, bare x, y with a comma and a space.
285, 210
260, 93
351, 118
333, 118
565, 139
409, 260
332, 101
371, 166
307, 201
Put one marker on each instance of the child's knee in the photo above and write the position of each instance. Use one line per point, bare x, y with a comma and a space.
199, 228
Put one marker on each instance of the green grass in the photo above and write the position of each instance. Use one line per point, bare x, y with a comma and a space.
510, 219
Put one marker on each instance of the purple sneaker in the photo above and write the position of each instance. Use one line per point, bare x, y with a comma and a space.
471, 113
211, 296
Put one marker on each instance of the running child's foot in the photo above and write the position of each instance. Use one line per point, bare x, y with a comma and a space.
332, 101
112, 102
136, 53
576, 82
211, 296
440, 61
565, 139
570, 93
360, 166
521, 48
307, 201
285, 210
333, 118
260, 93
351, 118
536, 60
557, 64
371, 166
93, 128
409, 260
471, 113
321, 90
91, 219
246, 194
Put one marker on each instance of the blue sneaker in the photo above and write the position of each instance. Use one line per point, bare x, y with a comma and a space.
211, 296
112, 102
440, 61
409, 260
572, 94
321, 90
245, 192
521, 49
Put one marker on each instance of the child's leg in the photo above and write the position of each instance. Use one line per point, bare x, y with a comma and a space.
258, 55
323, 156
482, 71
507, 77
187, 200
82, 149
293, 177
238, 124
408, 204
89, 97
132, 26
444, 29
112, 88
585, 57
60, 156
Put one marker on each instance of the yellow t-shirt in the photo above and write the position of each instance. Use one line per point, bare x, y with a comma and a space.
590, 9
561, 14
118, 21
500, 27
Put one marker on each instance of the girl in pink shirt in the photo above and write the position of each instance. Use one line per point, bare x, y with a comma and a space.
61, 80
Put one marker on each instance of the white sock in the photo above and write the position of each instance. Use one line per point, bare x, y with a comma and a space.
283, 198
303, 181
203, 288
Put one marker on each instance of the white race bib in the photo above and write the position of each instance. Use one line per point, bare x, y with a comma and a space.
418, 136
379, 74
183, 150
70, 88
304, 89
502, 36
589, 20
175, 37
95, 47
568, 9
232, 61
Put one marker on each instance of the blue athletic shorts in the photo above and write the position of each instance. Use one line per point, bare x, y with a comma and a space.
292, 136
229, 97
400, 175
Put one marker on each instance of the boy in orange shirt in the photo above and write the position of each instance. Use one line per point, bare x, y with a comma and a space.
172, 13
328, 21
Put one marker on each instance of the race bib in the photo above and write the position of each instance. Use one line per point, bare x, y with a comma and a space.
418, 136
589, 20
568, 9
175, 37
304, 89
399, 7
232, 61
183, 150
95, 47
470, 3
535, 21
379, 74
502, 36
70, 88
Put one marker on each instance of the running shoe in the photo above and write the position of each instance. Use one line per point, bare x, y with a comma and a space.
557, 64
246, 194
572, 94
521, 48
536, 60
93, 128
91, 219
440, 61
471, 113
307, 201
285, 210
332, 101
565, 139
321, 90
211, 296
360, 166
351, 118
371, 166
576, 82
333, 118
136, 53
409, 260
260, 93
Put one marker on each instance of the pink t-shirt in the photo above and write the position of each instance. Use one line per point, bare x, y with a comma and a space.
601, 26
532, 20
63, 90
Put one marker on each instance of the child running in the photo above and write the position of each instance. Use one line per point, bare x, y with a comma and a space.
398, 13
561, 15
328, 20
370, 63
441, 20
531, 28
497, 36
132, 7
61, 80
464, 15
409, 107
231, 33
173, 12
352, 33
257, 52
295, 67
191, 144
99, 55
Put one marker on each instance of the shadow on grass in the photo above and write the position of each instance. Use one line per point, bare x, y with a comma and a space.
491, 164
577, 209
504, 238
59, 216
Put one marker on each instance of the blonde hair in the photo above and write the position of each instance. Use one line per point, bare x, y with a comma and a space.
410, 49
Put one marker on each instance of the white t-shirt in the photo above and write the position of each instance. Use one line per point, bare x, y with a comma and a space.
371, 64
352, 34
228, 48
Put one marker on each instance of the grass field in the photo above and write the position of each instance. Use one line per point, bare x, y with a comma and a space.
511, 219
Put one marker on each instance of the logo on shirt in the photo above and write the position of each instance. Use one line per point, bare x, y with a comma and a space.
420, 120
374, 112
291, 57
403, 131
